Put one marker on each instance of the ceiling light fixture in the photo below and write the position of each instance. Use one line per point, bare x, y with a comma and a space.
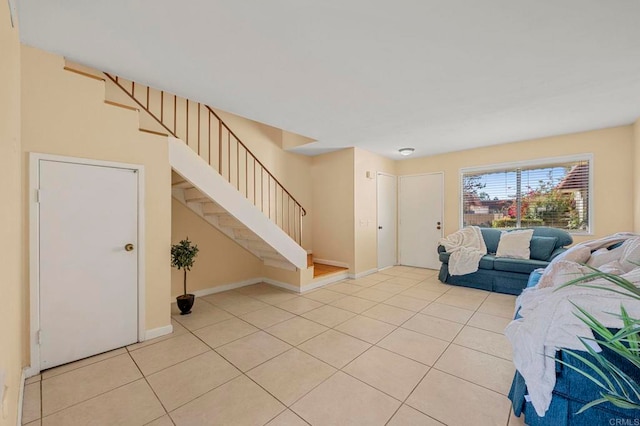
406, 151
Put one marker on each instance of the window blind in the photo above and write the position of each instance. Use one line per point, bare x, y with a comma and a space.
554, 194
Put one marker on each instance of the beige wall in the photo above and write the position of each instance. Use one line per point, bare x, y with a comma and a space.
292, 140
220, 260
366, 218
13, 292
333, 206
636, 176
612, 165
65, 114
295, 279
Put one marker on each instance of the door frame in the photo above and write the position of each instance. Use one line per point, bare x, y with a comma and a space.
378, 219
34, 247
441, 204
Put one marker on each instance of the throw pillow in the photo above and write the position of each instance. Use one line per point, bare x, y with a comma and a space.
515, 244
542, 247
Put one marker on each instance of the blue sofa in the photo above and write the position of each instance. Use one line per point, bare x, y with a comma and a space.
572, 391
505, 275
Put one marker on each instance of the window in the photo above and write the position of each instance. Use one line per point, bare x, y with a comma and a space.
554, 192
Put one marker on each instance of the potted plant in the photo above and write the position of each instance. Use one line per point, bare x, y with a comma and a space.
183, 256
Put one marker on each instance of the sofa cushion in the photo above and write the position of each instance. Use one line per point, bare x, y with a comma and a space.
518, 265
564, 238
542, 247
486, 262
491, 238
515, 244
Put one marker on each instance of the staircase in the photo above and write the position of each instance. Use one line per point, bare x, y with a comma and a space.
210, 196
214, 173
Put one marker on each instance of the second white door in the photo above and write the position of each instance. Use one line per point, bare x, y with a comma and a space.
387, 220
420, 219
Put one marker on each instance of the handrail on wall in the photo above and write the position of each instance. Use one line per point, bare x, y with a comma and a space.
288, 218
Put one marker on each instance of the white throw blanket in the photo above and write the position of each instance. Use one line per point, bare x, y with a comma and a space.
467, 248
564, 267
548, 323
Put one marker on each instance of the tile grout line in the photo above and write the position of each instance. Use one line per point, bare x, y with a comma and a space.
358, 356
93, 397
313, 356
375, 345
322, 304
457, 334
152, 390
83, 366
434, 363
41, 400
244, 373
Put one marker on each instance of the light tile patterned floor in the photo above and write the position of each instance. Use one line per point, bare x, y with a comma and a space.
393, 348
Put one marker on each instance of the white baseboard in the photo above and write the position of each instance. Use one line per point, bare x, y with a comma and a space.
226, 287
31, 371
157, 332
233, 286
280, 284
23, 378
316, 283
362, 274
311, 286
331, 263
386, 267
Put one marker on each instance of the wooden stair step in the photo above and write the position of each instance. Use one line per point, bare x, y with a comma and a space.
259, 245
182, 184
320, 269
273, 255
192, 194
212, 208
229, 221
83, 70
245, 234
119, 105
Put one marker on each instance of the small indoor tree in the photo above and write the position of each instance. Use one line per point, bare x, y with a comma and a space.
183, 257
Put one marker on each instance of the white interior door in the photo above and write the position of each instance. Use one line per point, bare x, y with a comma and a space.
387, 220
420, 224
88, 283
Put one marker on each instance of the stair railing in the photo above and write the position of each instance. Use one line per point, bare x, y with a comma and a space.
202, 129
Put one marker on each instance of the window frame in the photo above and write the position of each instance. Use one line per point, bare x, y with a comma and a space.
538, 162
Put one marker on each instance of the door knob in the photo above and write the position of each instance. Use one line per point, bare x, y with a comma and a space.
438, 227
129, 247
379, 227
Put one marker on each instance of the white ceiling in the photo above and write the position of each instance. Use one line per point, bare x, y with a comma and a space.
437, 75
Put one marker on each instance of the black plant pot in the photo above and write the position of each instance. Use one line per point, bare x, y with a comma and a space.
185, 302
